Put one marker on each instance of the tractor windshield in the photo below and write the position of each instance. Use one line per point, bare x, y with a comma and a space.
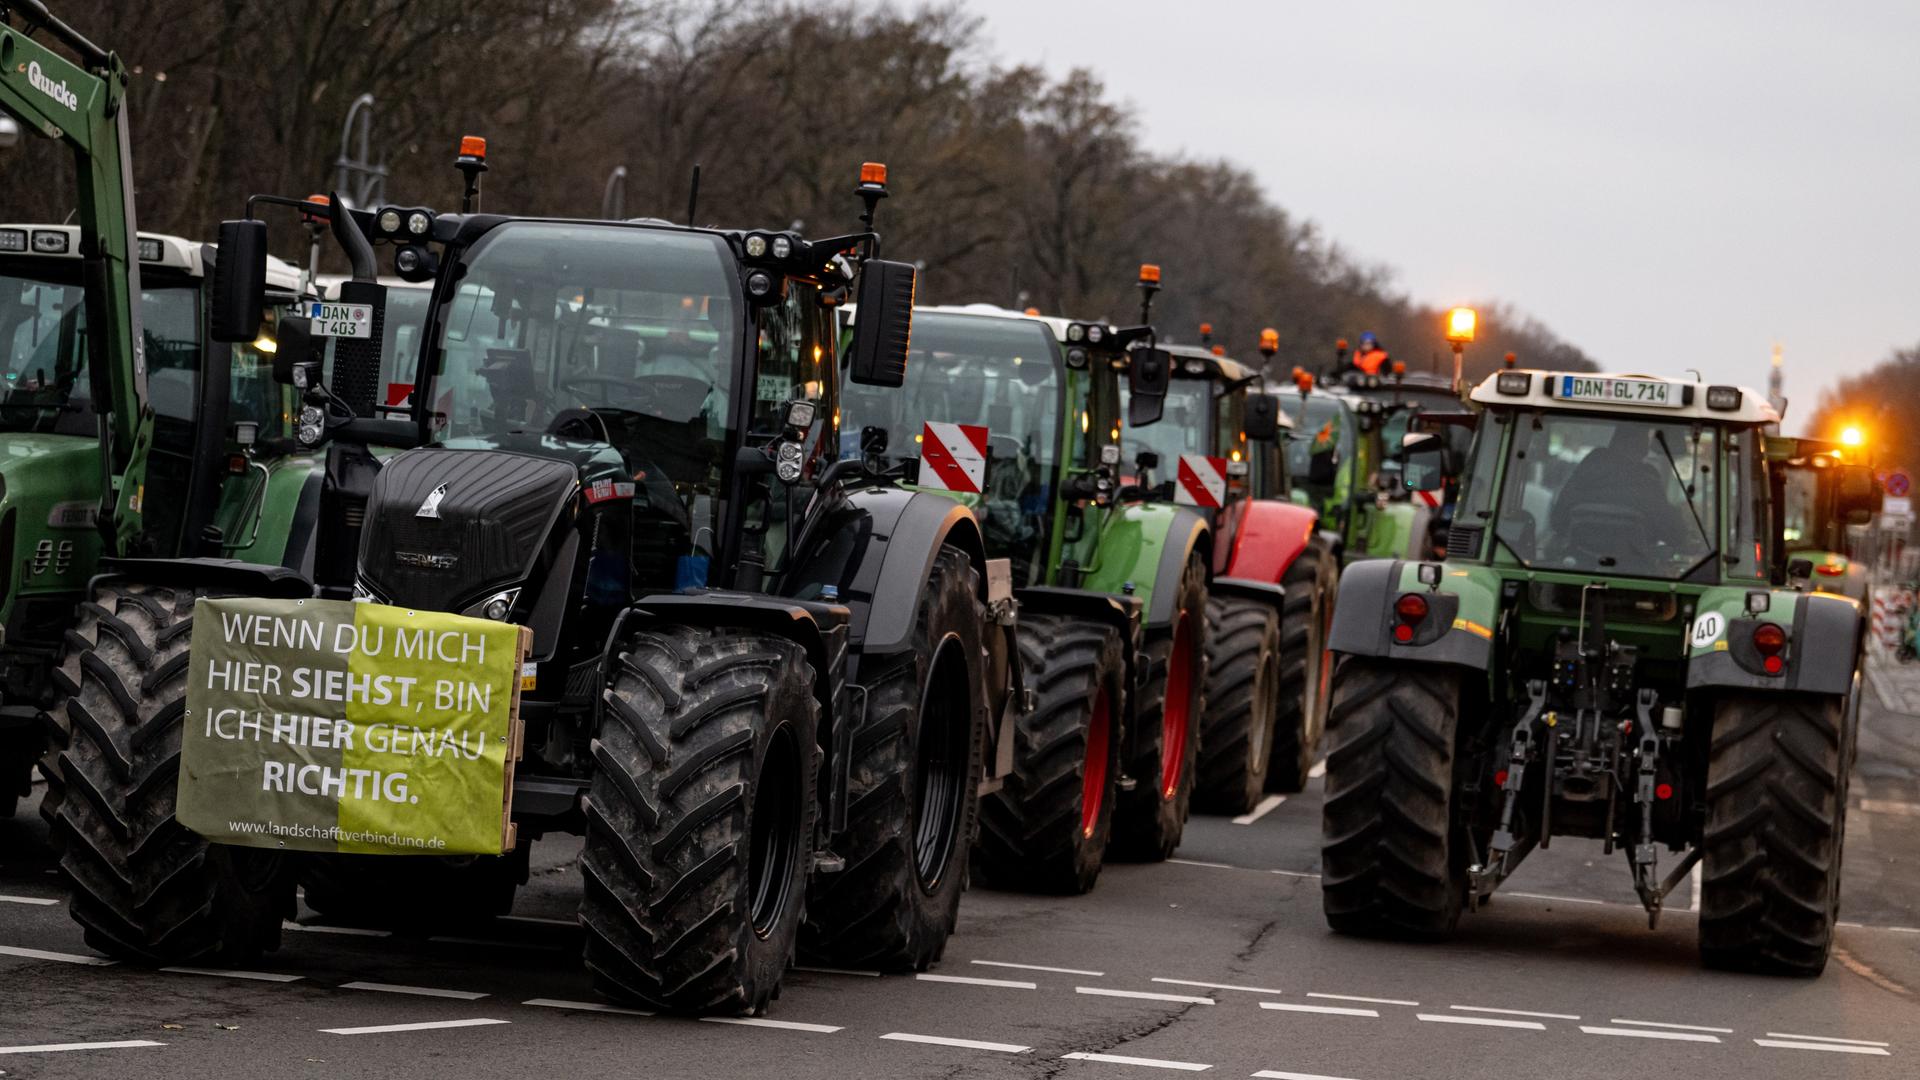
998, 373
1611, 494
1185, 427
597, 332
43, 325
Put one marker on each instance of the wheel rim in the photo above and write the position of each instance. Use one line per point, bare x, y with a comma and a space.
1173, 711
940, 762
1093, 784
774, 831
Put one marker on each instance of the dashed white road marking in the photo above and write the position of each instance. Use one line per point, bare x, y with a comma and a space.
1142, 995
1260, 809
1217, 986
1330, 1010
1513, 1012
346, 931
1355, 997
1319, 770
1037, 967
1557, 899
762, 1022
55, 1048
37, 901
232, 973
836, 971
431, 1025
584, 1006
1294, 873
964, 1044
1676, 1027
65, 958
1697, 871
1825, 1039
1650, 1033
1834, 1048
1151, 1063
966, 980
1483, 1021
1208, 865
416, 991
1275, 1074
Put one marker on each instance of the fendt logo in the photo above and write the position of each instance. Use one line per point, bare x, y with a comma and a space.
56, 90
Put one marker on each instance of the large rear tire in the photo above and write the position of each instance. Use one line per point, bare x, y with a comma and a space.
913, 796
1776, 823
1046, 830
1387, 856
700, 819
1303, 673
144, 888
1148, 820
1237, 733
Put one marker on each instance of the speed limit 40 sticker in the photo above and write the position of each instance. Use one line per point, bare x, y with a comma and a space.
1710, 627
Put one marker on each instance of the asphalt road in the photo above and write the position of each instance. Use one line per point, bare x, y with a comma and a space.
1218, 962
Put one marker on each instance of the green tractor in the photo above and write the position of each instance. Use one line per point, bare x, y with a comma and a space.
1818, 492
1273, 569
123, 430
1112, 588
1605, 653
1342, 469
766, 682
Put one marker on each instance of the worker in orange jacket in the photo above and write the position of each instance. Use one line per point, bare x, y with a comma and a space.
1370, 358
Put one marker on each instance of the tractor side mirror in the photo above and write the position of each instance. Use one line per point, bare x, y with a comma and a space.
295, 337
239, 281
1423, 457
1859, 494
1148, 377
881, 337
1263, 417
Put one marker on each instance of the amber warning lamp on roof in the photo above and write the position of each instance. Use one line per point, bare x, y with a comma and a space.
1269, 342
471, 163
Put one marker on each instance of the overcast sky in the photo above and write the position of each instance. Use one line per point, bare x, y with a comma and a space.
1666, 185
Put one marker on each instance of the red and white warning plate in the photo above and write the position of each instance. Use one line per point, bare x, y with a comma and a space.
953, 457
1201, 481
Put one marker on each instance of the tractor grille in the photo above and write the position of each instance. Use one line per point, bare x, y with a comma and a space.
1463, 541
494, 511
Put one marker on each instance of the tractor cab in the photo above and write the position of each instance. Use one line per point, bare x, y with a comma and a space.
1820, 490
1216, 409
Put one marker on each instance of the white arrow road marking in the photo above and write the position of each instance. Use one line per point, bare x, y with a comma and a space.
1319, 769
964, 1044
584, 1006
432, 1025
1142, 995
230, 973
761, 1022
1037, 967
1010, 984
417, 991
1648, 1033
1483, 1021
1152, 1063
54, 1048
1329, 1010
836, 971
347, 931
1261, 809
1275, 1074
37, 901
65, 958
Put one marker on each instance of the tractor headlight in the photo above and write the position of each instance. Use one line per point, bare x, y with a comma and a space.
1076, 358
417, 223
756, 246
759, 284
1096, 333
1076, 332
313, 424
497, 609
787, 461
389, 221
781, 247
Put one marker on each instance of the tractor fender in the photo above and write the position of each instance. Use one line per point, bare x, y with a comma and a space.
1823, 642
1270, 537
881, 542
1458, 630
248, 579
1265, 592
1144, 546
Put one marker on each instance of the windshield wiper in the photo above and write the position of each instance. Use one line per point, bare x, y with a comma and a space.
1705, 540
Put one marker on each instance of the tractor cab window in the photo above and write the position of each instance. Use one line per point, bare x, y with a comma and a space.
1001, 374
43, 327
585, 334
1185, 425
1321, 440
1611, 494
254, 395
1747, 541
796, 352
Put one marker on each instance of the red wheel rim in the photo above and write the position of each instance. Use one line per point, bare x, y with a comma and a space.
1173, 711
1093, 787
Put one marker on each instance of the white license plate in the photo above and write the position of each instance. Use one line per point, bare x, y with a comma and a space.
1663, 395
341, 320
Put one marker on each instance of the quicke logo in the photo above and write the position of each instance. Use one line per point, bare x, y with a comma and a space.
56, 90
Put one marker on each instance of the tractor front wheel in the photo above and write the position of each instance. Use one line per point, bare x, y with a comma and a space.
700, 819
1149, 819
1236, 737
1303, 672
1776, 819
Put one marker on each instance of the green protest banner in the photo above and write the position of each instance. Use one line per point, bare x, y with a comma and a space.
327, 725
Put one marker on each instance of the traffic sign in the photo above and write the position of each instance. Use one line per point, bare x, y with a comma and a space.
1898, 483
